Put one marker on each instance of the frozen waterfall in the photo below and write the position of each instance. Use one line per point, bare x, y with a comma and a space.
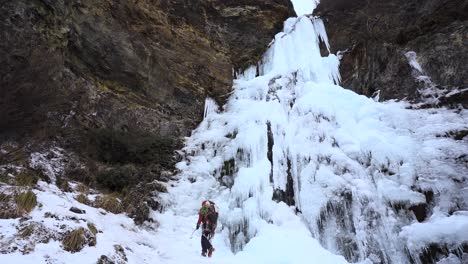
305, 171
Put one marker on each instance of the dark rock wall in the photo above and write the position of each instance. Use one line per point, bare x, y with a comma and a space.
128, 63
119, 83
374, 35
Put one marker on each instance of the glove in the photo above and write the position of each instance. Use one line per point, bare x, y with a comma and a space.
198, 226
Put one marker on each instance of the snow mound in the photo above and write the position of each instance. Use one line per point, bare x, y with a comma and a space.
439, 229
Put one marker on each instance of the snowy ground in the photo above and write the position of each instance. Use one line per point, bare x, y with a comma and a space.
113, 230
329, 146
171, 242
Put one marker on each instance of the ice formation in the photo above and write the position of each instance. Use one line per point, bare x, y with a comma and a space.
430, 92
291, 150
304, 7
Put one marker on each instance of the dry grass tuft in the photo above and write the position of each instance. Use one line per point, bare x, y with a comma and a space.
27, 231
93, 239
110, 204
75, 240
4, 198
26, 201
82, 188
26, 178
81, 198
92, 228
64, 185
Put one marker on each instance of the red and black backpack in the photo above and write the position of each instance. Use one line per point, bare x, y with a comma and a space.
210, 215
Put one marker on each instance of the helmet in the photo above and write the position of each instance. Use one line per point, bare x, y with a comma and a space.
206, 203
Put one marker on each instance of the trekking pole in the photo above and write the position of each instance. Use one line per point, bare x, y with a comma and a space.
193, 233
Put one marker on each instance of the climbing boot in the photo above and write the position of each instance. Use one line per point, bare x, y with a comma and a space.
210, 252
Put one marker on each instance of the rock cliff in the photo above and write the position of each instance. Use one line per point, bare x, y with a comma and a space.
378, 39
119, 83
122, 64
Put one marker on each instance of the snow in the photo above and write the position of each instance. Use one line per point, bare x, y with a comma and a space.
51, 162
452, 230
430, 92
453, 259
114, 230
268, 247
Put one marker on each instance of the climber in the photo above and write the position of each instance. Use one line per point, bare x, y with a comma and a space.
208, 215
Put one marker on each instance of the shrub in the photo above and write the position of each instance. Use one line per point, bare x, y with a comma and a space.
457, 134
63, 184
81, 198
26, 201
75, 240
116, 179
12, 153
5, 178
78, 173
114, 146
26, 178
104, 260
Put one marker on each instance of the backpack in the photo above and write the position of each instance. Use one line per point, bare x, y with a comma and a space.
213, 214
210, 214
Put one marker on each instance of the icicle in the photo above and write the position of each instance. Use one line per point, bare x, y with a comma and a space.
320, 31
210, 107
248, 74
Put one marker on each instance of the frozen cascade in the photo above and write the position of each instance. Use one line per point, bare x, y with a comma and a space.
293, 159
210, 107
304, 7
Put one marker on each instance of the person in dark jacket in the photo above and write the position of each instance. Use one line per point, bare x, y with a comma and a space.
208, 217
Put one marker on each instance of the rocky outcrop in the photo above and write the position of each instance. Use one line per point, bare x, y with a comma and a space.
126, 64
120, 83
374, 36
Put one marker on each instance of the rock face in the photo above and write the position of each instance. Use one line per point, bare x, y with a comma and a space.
374, 36
126, 64
118, 84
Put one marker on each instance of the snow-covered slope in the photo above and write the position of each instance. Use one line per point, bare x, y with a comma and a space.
117, 237
302, 170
